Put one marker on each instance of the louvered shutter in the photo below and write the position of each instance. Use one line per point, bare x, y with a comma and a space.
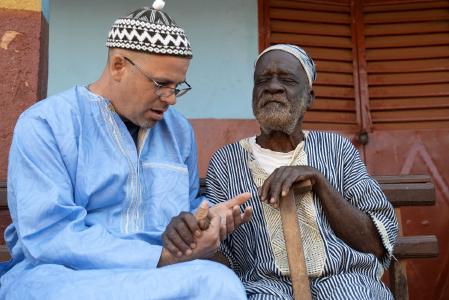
407, 53
324, 31
388, 71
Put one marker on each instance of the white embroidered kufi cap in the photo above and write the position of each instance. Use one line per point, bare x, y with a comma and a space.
149, 30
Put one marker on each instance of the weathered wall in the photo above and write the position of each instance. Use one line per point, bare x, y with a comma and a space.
23, 65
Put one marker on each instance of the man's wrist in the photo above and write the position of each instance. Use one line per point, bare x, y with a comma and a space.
166, 258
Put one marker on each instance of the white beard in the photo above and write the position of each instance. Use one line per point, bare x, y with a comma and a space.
277, 116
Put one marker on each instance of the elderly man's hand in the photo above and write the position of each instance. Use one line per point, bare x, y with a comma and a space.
206, 245
282, 179
229, 212
180, 236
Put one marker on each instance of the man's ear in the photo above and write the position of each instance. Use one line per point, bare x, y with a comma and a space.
117, 66
311, 98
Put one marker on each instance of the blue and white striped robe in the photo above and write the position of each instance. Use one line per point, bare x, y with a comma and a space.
348, 274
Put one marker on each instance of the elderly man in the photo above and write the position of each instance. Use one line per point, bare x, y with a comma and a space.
97, 172
347, 225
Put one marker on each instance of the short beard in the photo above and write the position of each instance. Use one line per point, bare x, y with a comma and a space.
276, 113
146, 124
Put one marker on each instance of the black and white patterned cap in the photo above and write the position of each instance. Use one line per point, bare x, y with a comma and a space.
149, 30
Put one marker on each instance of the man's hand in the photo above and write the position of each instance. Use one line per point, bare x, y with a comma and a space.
348, 222
182, 233
229, 212
202, 215
206, 245
179, 236
279, 183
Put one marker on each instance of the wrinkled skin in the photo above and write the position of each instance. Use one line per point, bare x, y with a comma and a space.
206, 245
281, 93
281, 96
182, 234
279, 183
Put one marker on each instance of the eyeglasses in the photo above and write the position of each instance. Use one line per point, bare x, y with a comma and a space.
163, 90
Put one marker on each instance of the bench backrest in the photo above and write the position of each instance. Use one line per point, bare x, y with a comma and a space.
4, 220
3, 202
402, 190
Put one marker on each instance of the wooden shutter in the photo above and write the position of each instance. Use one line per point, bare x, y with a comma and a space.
323, 29
407, 54
381, 64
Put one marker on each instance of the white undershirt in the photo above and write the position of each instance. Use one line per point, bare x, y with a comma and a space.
270, 160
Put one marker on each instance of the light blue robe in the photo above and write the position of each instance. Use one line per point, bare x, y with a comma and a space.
88, 210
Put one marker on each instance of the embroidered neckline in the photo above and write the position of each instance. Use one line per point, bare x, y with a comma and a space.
307, 218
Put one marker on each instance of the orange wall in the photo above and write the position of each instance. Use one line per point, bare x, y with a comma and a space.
23, 65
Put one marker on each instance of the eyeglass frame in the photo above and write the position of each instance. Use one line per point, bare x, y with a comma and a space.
177, 92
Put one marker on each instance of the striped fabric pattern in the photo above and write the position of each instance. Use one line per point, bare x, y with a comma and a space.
348, 274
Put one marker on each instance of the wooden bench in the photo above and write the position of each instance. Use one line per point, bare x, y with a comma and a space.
408, 190
5, 219
403, 190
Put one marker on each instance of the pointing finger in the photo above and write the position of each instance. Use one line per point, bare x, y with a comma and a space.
238, 200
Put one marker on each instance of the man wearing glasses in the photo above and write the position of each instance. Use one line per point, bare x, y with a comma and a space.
96, 174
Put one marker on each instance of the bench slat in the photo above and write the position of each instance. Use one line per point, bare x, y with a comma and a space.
404, 190
3, 202
385, 179
4, 253
422, 246
408, 190
410, 194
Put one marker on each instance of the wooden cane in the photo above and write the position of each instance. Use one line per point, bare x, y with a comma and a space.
292, 236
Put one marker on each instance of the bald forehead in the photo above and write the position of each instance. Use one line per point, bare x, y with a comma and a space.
280, 62
127, 53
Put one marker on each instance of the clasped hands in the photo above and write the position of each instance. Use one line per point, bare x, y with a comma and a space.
186, 237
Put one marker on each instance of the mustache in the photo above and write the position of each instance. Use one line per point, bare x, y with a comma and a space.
278, 98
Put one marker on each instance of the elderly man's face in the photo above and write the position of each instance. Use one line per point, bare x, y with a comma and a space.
281, 92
